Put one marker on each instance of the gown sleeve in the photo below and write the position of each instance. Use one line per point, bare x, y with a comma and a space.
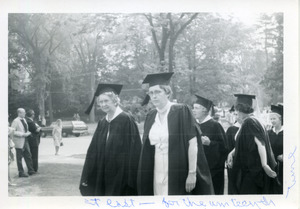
261, 134
216, 151
204, 185
89, 169
189, 123
134, 154
256, 130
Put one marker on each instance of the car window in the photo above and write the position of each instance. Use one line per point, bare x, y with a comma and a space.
81, 123
67, 123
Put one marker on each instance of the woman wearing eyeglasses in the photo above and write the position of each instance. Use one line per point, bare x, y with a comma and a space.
171, 162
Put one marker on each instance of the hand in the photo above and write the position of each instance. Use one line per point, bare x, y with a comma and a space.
27, 134
84, 184
205, 140
230, 159
280, 158
269, 171
38, 129
190, 182
268, 127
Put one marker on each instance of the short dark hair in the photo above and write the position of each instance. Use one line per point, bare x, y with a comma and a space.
30, 113
244, 108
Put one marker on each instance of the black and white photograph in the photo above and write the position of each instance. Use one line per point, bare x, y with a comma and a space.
150, 108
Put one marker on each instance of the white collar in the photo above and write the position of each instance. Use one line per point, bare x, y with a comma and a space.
277, 131
165, 108
21, 118
117, 112
207, 118
237, 124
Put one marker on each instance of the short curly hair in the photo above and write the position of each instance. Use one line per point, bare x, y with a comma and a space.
244, 108
279, 116
167, 89
114, 97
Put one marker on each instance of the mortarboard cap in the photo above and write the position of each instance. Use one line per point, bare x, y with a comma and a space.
104, 87
244, 99
208, 104
204, 102
158, 79
277, 109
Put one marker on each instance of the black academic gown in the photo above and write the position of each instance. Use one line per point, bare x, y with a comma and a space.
276, 141
251, 178
110, 168
182, 128
33, 141
215, 152
230, 136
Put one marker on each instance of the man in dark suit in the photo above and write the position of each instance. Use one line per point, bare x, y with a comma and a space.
34, 138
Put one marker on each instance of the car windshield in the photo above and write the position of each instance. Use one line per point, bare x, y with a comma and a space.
64, 123
78, 123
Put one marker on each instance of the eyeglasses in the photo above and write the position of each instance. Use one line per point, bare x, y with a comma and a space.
156, 92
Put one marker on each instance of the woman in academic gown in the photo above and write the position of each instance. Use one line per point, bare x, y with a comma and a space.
170, 161
230, 144
253, 157
276, 140
110, 168
213, 139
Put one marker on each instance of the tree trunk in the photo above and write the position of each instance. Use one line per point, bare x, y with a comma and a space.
266, 47
92, 90
50, 107
41, 103
171, 56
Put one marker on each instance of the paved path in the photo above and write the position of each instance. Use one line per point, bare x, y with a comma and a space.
58, 175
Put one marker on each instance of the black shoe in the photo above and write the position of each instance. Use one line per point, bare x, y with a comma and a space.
22, 175
31, 173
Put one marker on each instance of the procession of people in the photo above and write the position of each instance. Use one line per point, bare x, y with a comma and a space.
183, 151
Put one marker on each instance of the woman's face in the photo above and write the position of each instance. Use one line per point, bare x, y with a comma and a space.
158, 96
199, 111
239, 116
275, 119
106, 103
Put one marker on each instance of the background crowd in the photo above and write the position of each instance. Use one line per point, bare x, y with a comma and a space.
182, 151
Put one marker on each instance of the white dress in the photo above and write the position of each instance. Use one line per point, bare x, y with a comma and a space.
159, 136
56, 134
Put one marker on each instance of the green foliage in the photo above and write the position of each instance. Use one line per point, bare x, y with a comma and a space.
273, 78
62, 57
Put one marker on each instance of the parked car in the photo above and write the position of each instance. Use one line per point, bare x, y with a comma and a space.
75, 128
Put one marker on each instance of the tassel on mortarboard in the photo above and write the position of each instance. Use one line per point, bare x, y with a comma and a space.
146, 100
